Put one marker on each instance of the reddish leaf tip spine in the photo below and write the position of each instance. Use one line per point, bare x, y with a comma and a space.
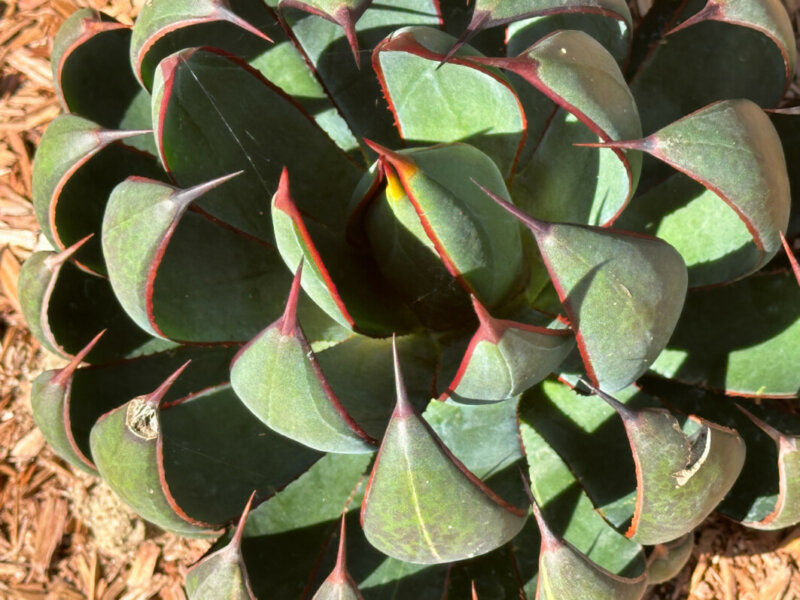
223, 13
54, 262
403, 409
536, 226
404, 166
65, 374
187, 196
106, 136
490, 329
339, 574
236, 540
792, 258
619, 407
550, 541
477, 22
288, 324
474, 592
347, 20
158, 395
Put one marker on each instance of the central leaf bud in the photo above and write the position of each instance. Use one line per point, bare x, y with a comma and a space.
437, 237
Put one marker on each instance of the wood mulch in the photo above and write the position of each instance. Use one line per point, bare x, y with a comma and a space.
63, 534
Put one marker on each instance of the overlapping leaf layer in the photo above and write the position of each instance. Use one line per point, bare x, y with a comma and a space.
454, 299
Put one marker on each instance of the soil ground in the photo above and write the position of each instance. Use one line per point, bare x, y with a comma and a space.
63, 534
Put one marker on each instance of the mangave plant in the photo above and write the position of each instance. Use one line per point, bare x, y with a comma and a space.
469, 299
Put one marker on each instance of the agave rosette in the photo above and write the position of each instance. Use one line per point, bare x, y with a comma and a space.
353, 256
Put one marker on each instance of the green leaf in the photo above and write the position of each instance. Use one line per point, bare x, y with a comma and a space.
716, 76
585, 82
732, 148
71, 402
91, 51
202, 132
505, 358
429, 102
125, 447
667, 560
623, 293
166, 26
710, 236
339, 280
765, 16
565, 573
173, 268
787, 507
328, 50
77, 165
176, 465
65, 306
479, 245
741, 338
50, 403
491, 13
422, 505
222, 574
406, 256
612, 32
680, 479
279, 379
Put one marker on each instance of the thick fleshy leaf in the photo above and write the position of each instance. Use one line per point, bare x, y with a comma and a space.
336, 278
77, 165
166, 26
667, 560
787, 507
768, 17
339, 585
680, 479
581, 473
479, 245
278, 378
715, 77
344, 13
66, 403
491, 13
584, 80
50, 403
505, 358
489, 116
732, 148
157, 459
126, 446
222, 575
65, 307
755, 494
202, 132
741, 338
173, 268
623, 293
611, 31
90, 52
405, 255
327, 49
714, 242
565, 573
422, 505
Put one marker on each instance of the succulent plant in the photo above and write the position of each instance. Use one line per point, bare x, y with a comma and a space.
483, 296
